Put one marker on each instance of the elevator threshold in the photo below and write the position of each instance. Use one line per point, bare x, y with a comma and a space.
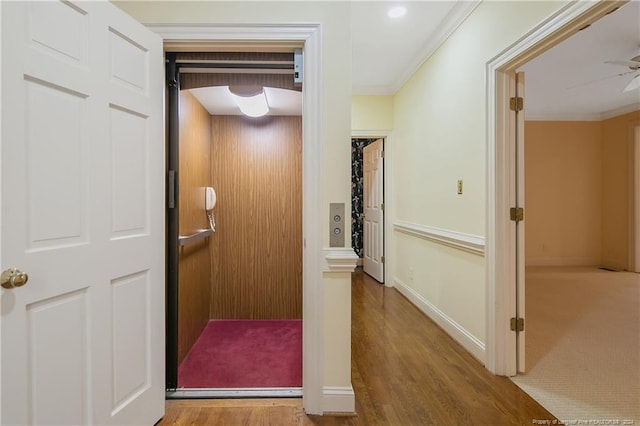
222, 393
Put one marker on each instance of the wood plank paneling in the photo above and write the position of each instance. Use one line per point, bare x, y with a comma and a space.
278, 80
257, 249
194, 276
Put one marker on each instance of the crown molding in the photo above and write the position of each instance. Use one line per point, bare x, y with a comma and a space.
456, 16
597, 116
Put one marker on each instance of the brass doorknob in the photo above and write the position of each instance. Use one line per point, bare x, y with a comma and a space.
13, 277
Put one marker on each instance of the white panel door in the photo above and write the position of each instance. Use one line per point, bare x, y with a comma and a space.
373, 199
82, 215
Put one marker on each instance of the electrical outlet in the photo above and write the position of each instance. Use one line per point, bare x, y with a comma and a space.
460, 185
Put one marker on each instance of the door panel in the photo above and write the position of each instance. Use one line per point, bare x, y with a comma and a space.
373, 199
83, 215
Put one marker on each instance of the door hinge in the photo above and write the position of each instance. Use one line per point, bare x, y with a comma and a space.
382, 206
382, 259
517, 324
516, 214
516, 103
382, 154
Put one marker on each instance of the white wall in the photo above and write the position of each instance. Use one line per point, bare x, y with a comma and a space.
439, 138
334, 18
370, 112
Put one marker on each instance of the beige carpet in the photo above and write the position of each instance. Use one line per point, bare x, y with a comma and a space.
583, 343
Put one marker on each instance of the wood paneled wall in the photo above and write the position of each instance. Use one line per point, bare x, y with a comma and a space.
257, 249
195, 259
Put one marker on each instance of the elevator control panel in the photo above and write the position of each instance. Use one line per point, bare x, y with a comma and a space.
336, 225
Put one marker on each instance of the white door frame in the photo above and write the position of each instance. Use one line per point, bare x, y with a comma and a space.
634, 196
309, 34
500, 344
389, 217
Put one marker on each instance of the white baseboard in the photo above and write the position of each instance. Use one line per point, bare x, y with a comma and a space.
360, 261
455, 330
562, 261
338, 400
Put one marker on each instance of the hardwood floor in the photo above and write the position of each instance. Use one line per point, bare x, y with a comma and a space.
405, 371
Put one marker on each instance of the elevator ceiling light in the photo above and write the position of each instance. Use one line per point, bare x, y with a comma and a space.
397, 11
251, 100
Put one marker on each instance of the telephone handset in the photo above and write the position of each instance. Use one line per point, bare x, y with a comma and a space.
209, 203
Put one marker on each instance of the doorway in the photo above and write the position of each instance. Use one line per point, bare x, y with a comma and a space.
211, 37
235, 295
503, 300
368, 204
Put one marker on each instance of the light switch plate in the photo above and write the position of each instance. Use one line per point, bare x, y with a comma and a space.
336, 225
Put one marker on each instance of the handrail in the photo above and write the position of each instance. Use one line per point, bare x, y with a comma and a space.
183, 240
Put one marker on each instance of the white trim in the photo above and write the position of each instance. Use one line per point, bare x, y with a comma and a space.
451, 22
634, 197
461, 335
340, 259
620, 111
312, 152
338, 399
562, 261
500, 239
198, 32
458, 240
599, 116
563, 117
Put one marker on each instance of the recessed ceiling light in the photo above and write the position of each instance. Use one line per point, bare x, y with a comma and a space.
397, 11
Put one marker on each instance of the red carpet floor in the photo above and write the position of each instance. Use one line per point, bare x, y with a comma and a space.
245, 354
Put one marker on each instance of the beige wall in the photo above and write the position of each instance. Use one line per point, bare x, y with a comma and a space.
578, 192
440, 137
336, 126
616, 133
370, 112
563, 190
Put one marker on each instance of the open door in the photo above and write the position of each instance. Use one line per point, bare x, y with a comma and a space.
517, 213
373, 200
82, 216
634, 186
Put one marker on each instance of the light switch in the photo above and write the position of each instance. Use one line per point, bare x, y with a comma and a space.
460, 184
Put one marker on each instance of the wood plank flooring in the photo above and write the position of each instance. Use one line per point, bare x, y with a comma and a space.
405, 371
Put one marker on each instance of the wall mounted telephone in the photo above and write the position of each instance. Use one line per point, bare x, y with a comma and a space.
209, 203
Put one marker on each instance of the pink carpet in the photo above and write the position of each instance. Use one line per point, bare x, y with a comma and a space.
245, 354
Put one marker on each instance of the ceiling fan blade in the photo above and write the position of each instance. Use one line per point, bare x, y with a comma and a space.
631, 64
633, 84
586, 83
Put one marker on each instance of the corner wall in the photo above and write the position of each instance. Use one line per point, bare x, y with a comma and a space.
616, 133
563, 192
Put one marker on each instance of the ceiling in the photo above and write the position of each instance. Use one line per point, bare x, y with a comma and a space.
219, 101
386, 52
571, 81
